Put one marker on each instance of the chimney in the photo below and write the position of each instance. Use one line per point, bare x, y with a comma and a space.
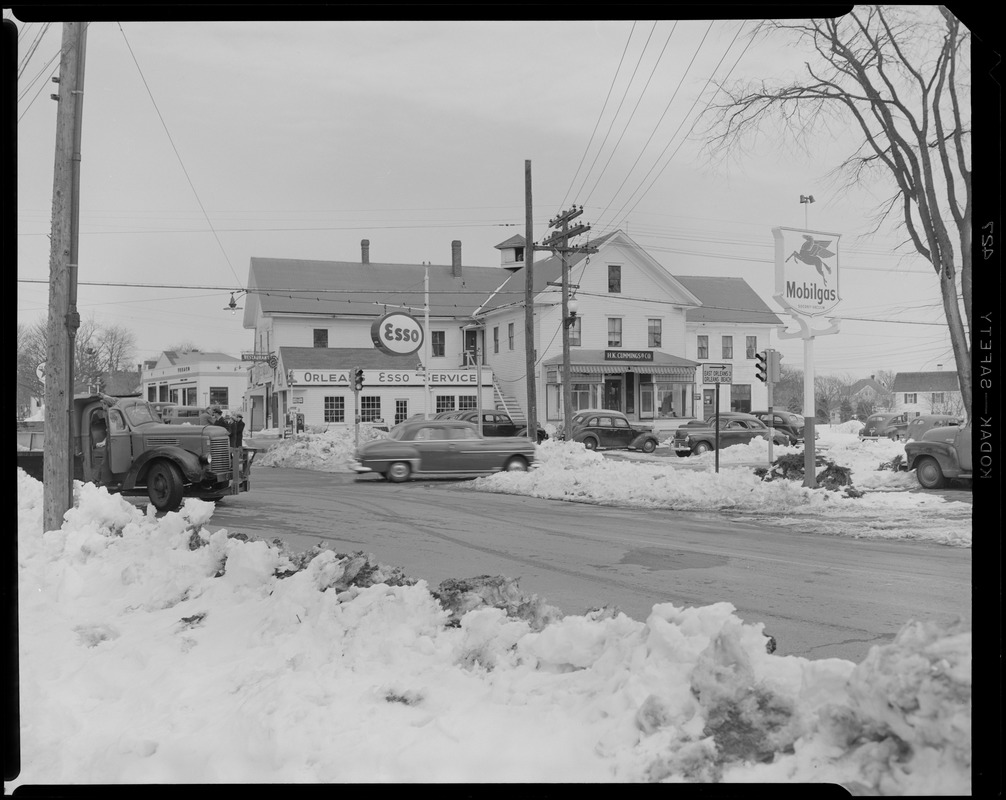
365, 254
456, 258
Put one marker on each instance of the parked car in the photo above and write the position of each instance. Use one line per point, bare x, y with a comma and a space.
942, 454
697, 437
178, 415
605, 429
926, 422
789, 423
441, 448
494, 423
887, 425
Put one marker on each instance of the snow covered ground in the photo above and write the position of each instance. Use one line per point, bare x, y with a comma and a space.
152, 651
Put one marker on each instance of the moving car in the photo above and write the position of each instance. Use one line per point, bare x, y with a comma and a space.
942, 454
789, 423
605, 429
926, 422
889, 425
441, 448
697, 437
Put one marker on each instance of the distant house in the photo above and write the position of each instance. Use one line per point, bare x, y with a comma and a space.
871, 394
195, 379
927, 393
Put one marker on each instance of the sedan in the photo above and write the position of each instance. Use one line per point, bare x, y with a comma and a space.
605, 429
443, 448
891, 426
789, 423
696, 437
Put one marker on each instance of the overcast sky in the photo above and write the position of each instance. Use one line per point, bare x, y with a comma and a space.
205, 144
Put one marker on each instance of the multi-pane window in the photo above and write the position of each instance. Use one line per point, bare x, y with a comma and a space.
401, 411
751, 346
218, 395
574, 333
444, 402
509, 333
614, 278
321, 337
496, 339
438, 343
937, 397
653, 334
911, 398
728, 347
614, 331
702, 349
580, 395
335, 409
467, 401
370, 408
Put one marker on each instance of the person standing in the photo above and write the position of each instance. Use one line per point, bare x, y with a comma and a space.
237, 434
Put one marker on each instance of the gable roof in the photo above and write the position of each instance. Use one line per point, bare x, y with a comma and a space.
726, 300
322, 358
939, 381
514, 241
298, 286
867, 383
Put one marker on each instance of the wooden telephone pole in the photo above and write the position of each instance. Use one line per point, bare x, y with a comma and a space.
64, 319
529, 351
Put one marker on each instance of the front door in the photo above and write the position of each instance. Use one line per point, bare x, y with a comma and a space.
471, 347
708, 403
613, 394
646, 401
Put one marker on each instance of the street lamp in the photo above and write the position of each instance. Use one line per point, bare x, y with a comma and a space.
806, 199
571, 307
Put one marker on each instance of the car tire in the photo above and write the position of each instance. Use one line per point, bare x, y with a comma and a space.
929, 473
649, 446
398, 471
165, 486
701, 447
515, 464
590, 443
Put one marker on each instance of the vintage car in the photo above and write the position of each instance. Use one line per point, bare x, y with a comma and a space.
495, 423
926, 422
789, 423
698, 437
598, 429
887, 425
942, 454
441, 448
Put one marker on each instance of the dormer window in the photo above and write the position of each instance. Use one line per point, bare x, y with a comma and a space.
518, 254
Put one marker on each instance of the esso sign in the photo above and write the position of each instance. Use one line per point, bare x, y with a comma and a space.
397, 334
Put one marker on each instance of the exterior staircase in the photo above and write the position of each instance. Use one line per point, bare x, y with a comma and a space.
508, 404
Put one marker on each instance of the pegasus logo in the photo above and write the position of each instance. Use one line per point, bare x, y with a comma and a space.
813, 252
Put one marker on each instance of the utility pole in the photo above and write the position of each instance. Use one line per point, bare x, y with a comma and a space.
558, 243
529, 350
64, 320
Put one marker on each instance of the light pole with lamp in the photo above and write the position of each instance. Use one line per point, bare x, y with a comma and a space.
570, 307
806, 199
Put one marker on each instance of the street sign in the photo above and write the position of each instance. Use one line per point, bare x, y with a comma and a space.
717, 373
255, 356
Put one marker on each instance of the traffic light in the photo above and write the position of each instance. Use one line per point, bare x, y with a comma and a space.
774, 357
358, 378
761, 366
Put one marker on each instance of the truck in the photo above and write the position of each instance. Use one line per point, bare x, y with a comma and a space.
941, 455
121, 443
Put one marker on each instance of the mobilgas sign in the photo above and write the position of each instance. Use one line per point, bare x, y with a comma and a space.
397, 334
806, 270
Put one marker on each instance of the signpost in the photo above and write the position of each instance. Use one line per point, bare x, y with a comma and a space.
717, 374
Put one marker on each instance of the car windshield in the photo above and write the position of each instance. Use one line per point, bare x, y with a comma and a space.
396, 433
141, 414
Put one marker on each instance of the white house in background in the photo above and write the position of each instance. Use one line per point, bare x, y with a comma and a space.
195, 379
927, 393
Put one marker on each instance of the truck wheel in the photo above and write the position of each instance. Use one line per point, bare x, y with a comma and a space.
927, 470
398, 472
649, 446
700, 448
164, 486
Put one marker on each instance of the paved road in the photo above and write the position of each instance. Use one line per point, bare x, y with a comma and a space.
820, 596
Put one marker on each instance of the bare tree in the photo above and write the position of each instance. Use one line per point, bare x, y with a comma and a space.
886, 378
182, 348
900, 75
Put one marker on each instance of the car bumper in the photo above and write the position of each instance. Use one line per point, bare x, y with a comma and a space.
681, 447
357, 467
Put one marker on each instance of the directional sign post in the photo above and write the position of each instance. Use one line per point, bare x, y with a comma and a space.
717, 374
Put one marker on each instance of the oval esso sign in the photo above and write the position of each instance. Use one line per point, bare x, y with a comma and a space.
397, 334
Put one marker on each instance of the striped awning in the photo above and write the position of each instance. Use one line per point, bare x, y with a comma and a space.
618, 369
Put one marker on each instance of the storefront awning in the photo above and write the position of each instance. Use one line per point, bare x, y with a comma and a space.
618, 369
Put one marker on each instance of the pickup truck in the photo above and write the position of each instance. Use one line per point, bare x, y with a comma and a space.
942, 454
124, 446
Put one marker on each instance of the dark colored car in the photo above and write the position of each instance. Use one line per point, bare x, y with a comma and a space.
697, 437
887, 425
786, 421
942, 454
926, 422
604, 429
441, 448
494, 423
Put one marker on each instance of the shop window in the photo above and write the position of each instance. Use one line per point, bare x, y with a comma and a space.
218, 396
444, 402
370, 409
335, 409
751, 346
438, 343
574, 333
653, 335
740, 397
614, 279
467, 401
702, 349
151, 393
321, 337
728, 347
580, 395
173, 397
614, 332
